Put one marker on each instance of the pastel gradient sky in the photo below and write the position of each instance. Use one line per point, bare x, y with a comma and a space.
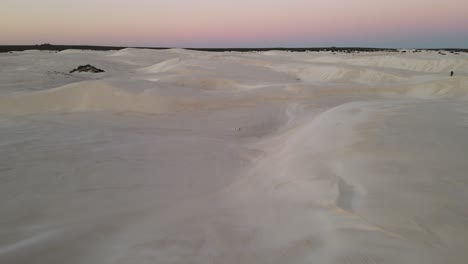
237, 23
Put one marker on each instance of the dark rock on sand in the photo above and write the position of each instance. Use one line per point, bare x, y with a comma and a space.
87, 68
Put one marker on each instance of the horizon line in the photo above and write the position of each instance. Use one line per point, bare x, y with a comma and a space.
44, 46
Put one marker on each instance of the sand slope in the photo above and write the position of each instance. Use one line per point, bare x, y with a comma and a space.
177, 156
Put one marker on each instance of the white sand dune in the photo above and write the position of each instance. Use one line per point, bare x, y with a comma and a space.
162, 66
178, 156
83, 96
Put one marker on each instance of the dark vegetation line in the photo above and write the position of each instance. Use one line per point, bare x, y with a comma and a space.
10, 48
337, 49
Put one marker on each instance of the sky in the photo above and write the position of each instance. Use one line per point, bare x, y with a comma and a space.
237, 23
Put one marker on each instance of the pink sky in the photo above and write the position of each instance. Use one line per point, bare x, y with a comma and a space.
236, 23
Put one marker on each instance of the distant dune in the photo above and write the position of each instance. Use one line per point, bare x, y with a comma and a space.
10, 48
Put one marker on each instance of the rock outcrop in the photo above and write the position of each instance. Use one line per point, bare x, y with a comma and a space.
87, 68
